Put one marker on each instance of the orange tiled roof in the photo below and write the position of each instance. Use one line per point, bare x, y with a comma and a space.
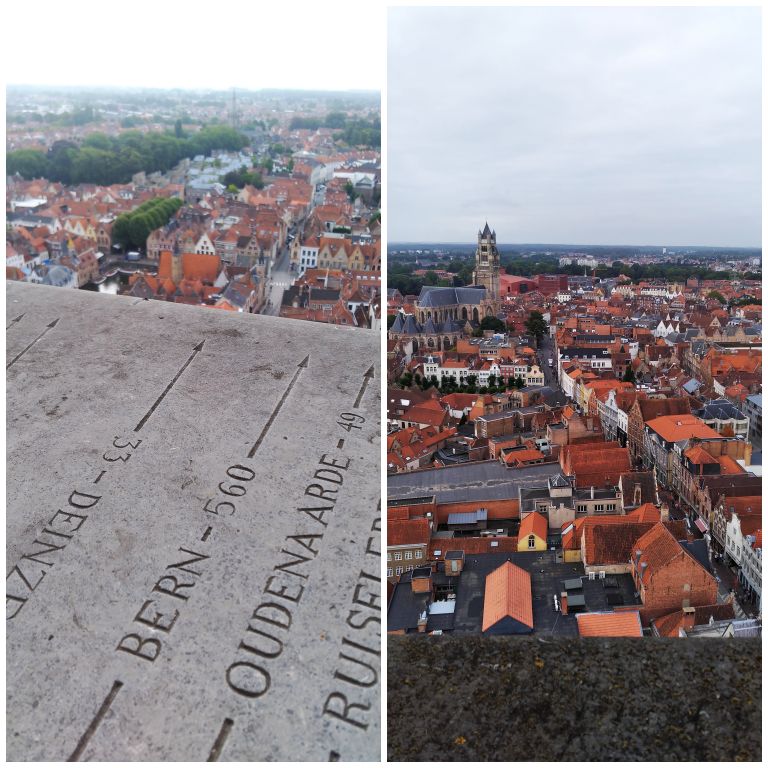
645, 513
621, 624
669, 625
658, 547
507, 594
729, 466
522, 456
682, 426
535, 524
201, 266
698, 455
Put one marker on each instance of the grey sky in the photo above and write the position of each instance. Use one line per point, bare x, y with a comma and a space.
575, 125
194, 44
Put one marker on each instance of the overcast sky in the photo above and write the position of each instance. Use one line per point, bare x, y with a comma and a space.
195, 44
575, 125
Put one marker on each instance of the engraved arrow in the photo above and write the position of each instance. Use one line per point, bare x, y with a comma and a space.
31, 344
303, 364
15, 320
159, 400
366, 378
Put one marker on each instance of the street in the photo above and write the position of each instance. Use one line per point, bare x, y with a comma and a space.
546, 352
280, 278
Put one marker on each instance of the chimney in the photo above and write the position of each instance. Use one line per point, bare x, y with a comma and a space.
689, 618
421, 580
454, 562
421, 625
564, 603
664, 509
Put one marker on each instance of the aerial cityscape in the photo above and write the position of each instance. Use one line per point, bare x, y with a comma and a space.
574, 380
574, 421
262, 202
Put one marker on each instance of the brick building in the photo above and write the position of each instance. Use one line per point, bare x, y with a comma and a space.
667, 576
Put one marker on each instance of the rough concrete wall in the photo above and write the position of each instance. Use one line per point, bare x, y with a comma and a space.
592, 699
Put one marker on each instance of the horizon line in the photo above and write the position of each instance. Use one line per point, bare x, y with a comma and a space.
563, 245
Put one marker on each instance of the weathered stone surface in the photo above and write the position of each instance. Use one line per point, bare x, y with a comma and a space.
80, 419
494, 699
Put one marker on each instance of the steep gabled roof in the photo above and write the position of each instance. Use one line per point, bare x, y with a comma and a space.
534, 523
507, 594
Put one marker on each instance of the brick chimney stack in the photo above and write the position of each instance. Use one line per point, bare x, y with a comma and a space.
689, 619
564, 603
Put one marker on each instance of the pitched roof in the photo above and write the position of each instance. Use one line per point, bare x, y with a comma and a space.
658, 548
610, 624
651, 409
610, 539
507, 594
646, 513
670, 624
536, 524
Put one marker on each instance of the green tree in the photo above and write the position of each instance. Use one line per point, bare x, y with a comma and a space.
717, 296
492, 324
430, 278
28, 163
335, 120
178, 131
536, 326
629, 375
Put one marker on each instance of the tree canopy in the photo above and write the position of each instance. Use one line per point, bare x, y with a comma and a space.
131, 230
536, 325
103, 159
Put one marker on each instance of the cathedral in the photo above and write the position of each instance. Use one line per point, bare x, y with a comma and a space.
443, 315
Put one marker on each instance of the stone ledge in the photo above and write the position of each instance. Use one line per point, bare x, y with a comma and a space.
183, 447
494, 699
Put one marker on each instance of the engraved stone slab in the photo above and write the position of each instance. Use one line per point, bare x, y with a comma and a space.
193, 533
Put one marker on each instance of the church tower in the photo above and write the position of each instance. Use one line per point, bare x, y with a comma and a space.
487, 263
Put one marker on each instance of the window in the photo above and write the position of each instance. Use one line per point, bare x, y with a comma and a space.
610, 507
398, 570
581, 507
419, 555
599, 507
408, 567
389, 571
409, 555
398, 555
686, 587
531, 542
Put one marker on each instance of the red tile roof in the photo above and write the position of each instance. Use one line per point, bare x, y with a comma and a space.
404, 532
536, 524
669, 625
622, 624
472, 545
507, 594
684, 426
